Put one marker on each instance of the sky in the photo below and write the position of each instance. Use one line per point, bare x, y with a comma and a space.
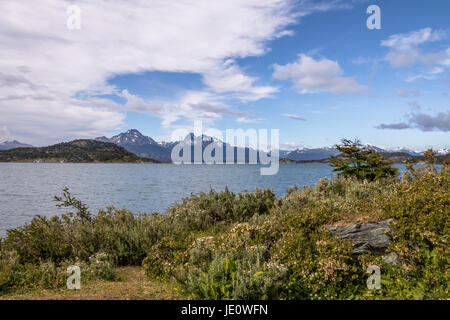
312, 69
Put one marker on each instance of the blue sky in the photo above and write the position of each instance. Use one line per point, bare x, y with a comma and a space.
309, 68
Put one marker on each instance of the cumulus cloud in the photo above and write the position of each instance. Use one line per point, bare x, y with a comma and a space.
50, 74
229, 78
405, 49
423, 122
191, 105
293, 116
310, 75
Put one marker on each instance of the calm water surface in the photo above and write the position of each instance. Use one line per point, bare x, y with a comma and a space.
27, 189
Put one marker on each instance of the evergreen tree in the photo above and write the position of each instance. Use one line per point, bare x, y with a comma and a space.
430, 158
361, 162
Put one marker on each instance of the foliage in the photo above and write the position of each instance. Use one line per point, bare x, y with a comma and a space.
165, 256
82, 150
231, 267
361, 162
430, 156
221, 245
48, 275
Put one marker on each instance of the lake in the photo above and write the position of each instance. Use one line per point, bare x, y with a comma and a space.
27, 189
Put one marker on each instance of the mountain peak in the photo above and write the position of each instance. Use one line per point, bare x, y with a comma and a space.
7, 142
6, 145
130, 137
134, 131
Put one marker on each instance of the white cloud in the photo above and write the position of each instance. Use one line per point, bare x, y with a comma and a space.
436, 70
404, 42
191, 105
405, 48
50, 73
420, 76
311, 75
229, 78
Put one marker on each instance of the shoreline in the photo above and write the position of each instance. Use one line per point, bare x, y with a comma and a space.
282, 161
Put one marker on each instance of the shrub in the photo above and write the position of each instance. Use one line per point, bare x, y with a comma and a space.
221, 245
163, 258
202, 212
48, 275
227, 277
233, 265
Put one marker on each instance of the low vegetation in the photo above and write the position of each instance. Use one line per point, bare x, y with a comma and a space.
74, 151
221, 245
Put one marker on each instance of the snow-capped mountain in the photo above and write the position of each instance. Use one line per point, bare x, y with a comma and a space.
204, 140
326, 152
146, 147
133, 137
443, 151
142, 146
309, 154
415, 153
7, 145
401, 149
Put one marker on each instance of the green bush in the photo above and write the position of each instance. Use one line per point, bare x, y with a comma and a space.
163, 258
227, 277
202, 212
221, 245
48, 275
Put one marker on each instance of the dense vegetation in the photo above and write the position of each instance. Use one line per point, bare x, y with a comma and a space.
361, 162
74, 151
396, 157
221, 245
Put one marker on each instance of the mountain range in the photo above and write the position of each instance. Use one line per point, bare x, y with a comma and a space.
146, 147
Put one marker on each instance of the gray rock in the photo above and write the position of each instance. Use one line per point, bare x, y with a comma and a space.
367, 237
390, 258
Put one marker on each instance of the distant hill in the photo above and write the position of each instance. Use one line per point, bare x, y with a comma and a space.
74, 151
400, 157
310, 154
396, 154
8, 145
396, 157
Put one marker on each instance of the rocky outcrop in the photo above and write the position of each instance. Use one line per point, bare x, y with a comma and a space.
367, 237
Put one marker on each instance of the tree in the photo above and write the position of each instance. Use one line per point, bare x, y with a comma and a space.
361, 162
430, 156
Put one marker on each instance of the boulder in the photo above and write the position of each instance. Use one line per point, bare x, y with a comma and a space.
367, 237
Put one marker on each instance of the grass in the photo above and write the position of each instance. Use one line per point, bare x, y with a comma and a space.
132, 285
